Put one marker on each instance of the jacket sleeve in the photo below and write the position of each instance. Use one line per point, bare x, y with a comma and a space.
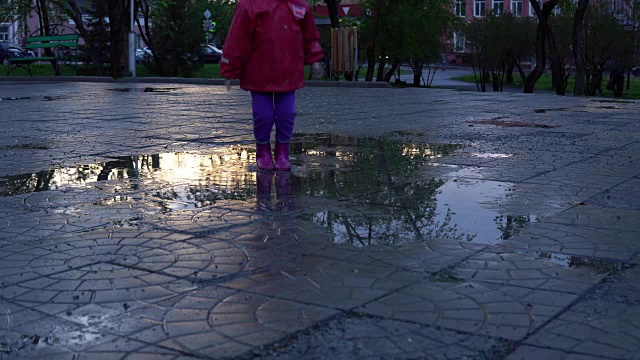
311, 37
238, 44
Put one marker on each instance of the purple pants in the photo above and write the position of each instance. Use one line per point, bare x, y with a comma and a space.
270, 109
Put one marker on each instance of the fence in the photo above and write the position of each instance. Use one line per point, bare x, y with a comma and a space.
344, 50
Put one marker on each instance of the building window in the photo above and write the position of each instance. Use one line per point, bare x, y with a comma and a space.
516, 7
4, 33
531, 11
459, 42
478, 8
461, 8
498, 7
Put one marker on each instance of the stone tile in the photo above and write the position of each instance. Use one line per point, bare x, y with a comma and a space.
362, 337
590, 216
118, 267
532, 352
605, 323
326, 282
531, 271
246, 319
482, 308
612, 244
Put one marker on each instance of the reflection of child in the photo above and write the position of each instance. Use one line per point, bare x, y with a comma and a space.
267, 47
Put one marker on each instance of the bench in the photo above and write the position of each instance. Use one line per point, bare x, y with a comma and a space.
58, 49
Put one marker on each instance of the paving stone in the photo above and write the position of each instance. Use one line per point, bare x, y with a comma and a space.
117, 267
604, 324
531, 271
344, 338
161, 240
326, 282
501, 311
612, 244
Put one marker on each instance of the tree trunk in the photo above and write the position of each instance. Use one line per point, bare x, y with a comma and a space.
371, 63
530, 82
382, 65
509, 74
495, 81
332, 6
389, 74
417, 73
118, 15
578, 35
544, 31
485, 79
43, 12
557, 71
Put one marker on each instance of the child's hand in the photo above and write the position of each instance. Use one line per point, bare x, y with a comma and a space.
317, 70
227, 84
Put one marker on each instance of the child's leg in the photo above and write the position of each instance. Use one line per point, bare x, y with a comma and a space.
285, 111
263, 120
263, 116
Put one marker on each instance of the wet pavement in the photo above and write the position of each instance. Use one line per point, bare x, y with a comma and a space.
414, 224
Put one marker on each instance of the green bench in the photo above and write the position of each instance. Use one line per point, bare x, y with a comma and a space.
64, 50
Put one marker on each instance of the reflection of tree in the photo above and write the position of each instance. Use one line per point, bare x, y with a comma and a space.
120, 166
376, 177
511, 225
47, 180
24, 184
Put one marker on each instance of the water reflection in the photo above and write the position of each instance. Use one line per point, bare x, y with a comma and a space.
145, 89
365, 191
581, 262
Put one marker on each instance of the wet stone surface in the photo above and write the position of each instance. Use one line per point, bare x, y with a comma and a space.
134, 224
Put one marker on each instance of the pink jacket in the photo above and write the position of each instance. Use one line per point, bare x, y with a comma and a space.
269, 43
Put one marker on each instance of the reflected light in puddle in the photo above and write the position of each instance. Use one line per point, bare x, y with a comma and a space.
491, 156
467, 199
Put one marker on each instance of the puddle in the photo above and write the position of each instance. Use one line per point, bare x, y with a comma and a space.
364, 191
511, 124
581, 262
491, 155
27, 146
25, 343
145, 90
39, 98
614, 101
542, 111
15, 98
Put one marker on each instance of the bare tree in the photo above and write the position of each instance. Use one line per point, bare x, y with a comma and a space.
543, 34
118, 21
578, 41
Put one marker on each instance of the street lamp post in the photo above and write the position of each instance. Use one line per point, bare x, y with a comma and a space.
132, 42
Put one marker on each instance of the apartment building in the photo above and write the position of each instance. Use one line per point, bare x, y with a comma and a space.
9, 31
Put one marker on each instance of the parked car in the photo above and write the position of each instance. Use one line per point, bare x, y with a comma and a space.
143, 55
211, 54
635, 71
10, 49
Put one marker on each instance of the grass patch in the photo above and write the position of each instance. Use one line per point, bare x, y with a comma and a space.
208, 71
544, 84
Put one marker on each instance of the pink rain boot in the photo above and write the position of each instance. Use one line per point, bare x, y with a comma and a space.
282, 157
263, 156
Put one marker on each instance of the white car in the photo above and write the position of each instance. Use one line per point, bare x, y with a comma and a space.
143, 54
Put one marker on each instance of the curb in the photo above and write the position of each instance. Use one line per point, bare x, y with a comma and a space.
173, 80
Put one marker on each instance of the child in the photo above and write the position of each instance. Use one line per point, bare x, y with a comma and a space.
268, 44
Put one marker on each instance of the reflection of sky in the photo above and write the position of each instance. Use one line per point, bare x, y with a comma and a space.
465, 198
179, 167
179, 181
